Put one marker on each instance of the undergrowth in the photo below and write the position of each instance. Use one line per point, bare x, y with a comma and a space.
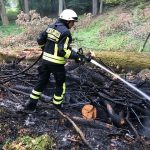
122, 28
26, 142
11, 29
119, 29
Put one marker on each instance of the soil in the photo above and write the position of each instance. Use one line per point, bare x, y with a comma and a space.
47, 120
101, 134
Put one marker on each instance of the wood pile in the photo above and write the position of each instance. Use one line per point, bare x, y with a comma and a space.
98, 98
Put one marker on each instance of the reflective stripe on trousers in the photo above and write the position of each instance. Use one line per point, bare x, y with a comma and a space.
35, 95
59, 99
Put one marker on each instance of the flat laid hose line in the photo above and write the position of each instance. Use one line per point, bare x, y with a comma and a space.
15, 75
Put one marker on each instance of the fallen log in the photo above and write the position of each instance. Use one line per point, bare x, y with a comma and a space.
90, 123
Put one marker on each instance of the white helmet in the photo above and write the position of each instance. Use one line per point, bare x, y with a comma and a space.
68, 14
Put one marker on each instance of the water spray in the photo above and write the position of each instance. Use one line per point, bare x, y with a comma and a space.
88, 59
121, 79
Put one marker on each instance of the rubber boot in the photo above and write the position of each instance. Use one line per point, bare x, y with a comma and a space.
30, 105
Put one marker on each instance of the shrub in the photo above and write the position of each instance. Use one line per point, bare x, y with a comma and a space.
115, 2
12, 13
119, 22
122, 22
42, 142
140, 32
84, 21
33, 24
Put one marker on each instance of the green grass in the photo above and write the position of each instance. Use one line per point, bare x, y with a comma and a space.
113, 42
11, 29
90, 37
26, 142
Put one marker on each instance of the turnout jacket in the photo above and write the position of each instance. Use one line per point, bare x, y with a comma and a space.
55, 41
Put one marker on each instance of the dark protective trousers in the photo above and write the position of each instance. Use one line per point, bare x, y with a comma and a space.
45, 69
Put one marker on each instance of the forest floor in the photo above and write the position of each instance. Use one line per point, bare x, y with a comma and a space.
101, 134
120, 30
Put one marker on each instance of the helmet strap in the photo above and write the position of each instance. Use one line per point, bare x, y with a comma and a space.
65, 22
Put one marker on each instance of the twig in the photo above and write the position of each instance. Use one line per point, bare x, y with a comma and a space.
8, 90
77, 129
131, 125
138, 118
141, 50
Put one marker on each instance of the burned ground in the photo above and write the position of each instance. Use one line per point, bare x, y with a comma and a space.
122, 114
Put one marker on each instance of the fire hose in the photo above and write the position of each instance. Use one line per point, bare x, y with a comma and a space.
116, 119
88, 59
15, 75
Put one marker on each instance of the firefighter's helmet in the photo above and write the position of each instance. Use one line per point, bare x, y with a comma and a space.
68, 14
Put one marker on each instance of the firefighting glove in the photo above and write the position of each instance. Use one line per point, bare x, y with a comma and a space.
77, 60
84, 58
80, 59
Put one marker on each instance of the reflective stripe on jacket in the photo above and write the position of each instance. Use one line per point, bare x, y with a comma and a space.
56, 40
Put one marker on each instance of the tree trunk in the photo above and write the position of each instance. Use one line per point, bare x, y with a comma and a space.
117, 60
60, 7
3, 13
26, 6
64, 3
94, 10
101, 7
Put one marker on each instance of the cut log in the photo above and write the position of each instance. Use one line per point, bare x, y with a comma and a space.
89, 112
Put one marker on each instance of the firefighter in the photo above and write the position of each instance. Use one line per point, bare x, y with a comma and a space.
55, 43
